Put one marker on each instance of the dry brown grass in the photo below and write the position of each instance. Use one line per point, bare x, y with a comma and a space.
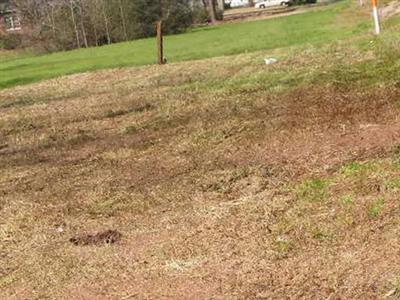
236, 181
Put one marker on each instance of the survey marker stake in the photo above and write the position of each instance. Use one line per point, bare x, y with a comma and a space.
376, 16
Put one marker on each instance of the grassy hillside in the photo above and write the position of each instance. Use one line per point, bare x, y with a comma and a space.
312, 27
239, 181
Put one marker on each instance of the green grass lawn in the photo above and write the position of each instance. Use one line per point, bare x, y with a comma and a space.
312, 27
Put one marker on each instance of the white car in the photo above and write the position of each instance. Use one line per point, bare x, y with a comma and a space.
239, 3
269, 3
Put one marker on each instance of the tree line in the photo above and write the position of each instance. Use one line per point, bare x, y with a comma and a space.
69, 24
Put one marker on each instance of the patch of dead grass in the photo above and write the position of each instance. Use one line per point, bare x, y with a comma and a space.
236, 180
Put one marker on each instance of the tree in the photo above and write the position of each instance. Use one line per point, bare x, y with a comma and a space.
68, 24
123, 22
73, 19
177, 15
210, 4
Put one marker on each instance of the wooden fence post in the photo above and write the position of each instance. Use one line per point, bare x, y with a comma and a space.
160, 44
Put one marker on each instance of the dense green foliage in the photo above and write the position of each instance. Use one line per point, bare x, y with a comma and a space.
142, 15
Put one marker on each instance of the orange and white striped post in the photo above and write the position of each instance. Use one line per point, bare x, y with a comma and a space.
376, 16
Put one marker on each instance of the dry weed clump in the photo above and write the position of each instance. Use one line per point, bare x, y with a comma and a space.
106, 238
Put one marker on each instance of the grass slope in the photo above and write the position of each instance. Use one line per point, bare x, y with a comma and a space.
237, 181
312, 27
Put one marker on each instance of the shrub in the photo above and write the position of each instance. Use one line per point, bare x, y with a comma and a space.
10, 41
200, 15
179, 17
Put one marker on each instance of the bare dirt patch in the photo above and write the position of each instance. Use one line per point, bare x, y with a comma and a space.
101, 238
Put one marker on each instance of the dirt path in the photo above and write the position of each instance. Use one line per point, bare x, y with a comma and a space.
253, 14
390, 10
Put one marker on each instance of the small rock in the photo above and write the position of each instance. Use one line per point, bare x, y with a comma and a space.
270, 61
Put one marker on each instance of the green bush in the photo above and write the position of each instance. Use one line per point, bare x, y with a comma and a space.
179, 17
200, 15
